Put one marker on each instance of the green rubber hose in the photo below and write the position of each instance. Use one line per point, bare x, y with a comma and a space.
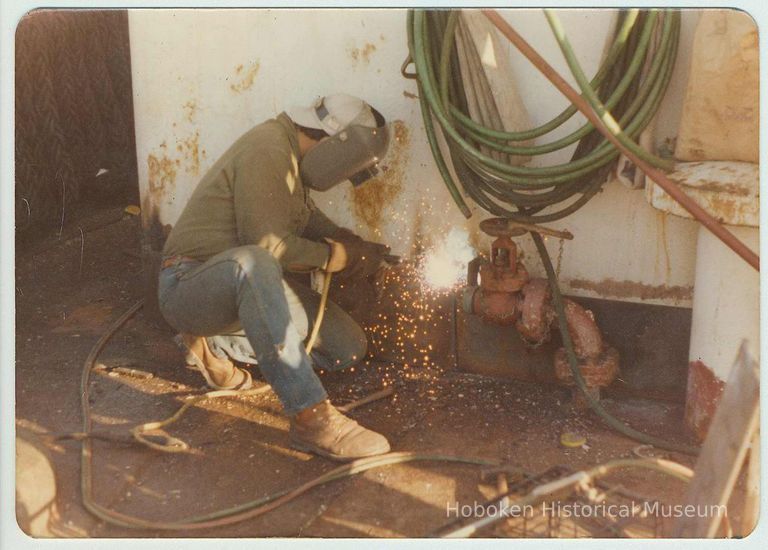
591, 95
630, 83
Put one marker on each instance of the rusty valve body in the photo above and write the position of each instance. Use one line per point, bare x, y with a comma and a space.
501, 281
500, 291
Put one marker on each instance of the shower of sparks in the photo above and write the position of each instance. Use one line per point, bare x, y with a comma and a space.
410, 327
412, 320
445, 266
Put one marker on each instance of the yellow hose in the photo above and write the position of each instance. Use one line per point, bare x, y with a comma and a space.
172, 444
320, 312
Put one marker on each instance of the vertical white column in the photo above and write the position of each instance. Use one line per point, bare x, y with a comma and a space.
726, 302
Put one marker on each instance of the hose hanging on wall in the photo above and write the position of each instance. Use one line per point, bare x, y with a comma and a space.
630, 82
625, 92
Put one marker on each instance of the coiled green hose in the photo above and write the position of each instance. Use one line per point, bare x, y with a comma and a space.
630, 83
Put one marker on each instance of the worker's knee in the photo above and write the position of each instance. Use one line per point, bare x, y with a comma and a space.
254, 259
359, 347
353, 351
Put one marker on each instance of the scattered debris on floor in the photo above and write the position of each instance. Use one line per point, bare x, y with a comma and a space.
140, 377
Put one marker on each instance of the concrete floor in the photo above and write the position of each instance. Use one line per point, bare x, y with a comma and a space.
65, 301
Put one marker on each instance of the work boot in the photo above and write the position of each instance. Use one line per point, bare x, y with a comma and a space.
323, 430
220, 374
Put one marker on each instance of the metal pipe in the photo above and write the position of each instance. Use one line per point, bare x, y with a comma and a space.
728, 238
587, 340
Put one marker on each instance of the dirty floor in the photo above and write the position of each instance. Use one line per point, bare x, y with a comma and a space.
70, 289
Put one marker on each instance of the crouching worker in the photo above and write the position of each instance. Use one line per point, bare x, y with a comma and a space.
228, 283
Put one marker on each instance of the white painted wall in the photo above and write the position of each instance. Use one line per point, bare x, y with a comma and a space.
726, 305
190, 96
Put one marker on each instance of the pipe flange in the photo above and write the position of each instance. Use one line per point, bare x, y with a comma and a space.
501, 227
598, 372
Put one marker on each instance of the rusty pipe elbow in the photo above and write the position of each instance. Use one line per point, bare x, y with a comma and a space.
598, 364
587, 339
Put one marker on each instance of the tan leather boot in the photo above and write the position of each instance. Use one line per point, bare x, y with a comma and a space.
220, 374
323, 430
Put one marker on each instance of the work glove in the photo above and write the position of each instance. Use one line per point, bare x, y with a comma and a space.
355, 257
342, 234
338, 258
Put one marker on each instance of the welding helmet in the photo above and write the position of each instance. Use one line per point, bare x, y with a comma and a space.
358, 140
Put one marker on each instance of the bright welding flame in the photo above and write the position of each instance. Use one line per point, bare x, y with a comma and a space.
445, 266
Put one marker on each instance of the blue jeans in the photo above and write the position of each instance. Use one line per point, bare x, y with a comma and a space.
241, 302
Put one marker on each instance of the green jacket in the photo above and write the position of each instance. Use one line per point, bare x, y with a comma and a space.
254, 195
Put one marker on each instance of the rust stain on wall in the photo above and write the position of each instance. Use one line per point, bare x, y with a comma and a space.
190, 148
190, 110
162, 172
723, 184
662, 217
719, 187
362, 54
724, 209
371, 199
632, 289
703, 394
163, 166
245, 77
